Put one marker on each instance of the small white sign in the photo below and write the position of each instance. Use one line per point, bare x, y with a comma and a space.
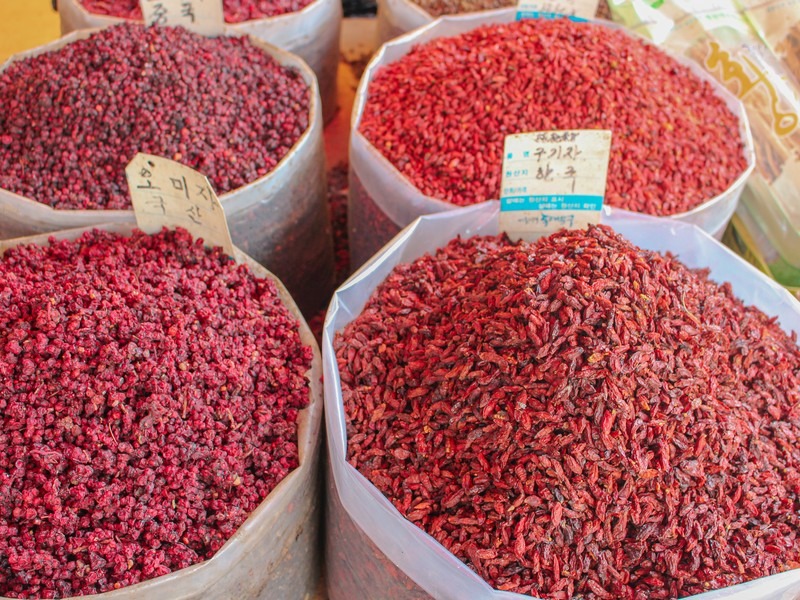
205, 17
168, 194
553, 180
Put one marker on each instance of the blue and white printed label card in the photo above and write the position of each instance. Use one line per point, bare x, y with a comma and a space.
577, 10
553, 180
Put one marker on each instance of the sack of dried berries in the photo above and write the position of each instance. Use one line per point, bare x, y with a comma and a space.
242, 112
396, 17
162, 408
604, 413
307, 28
434, 107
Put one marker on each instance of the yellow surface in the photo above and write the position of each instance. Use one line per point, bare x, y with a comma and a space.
26, 24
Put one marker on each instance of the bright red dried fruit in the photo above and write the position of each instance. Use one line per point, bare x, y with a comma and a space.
441, 113
73, 118
149, 393
578, 417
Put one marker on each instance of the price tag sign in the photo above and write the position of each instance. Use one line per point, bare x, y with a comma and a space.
577, 10
168, 194
553, 180
201, 16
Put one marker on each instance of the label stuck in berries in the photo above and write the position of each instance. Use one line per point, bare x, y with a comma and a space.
165, 193
577, 10
553, 180
205, 17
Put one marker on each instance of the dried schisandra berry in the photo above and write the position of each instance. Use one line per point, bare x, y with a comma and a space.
73, 118
236, 11
441, 113
149, 394
579, 418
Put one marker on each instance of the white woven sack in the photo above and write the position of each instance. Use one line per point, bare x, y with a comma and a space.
372, 551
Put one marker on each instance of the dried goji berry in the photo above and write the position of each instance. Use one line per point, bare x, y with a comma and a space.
578, 417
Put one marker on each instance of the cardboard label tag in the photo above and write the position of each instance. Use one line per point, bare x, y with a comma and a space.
168, 194
577, 10
553, 180
205, 17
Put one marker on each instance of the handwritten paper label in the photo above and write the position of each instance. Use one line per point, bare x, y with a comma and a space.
168, 194
201, 16
553, 180
577, 10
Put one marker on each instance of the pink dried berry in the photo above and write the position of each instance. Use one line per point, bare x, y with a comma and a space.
149, 395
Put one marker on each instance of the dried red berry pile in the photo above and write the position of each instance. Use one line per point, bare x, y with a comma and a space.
73, 118
149, 392
438, 8
337, 205
440, 114
579, 417
236, 11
